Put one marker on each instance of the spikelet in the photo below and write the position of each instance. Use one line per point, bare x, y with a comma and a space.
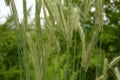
99, 14
84, 53
114, 61
86, 9
100, 78
105, 68
117, 73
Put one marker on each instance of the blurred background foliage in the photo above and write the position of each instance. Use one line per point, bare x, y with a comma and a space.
9, 63
109, 38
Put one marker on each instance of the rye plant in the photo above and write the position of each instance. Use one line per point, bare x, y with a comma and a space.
47, 48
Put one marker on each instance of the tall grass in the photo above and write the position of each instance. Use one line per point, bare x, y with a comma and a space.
48, 49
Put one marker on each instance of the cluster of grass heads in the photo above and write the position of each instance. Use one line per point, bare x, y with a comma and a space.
48, 49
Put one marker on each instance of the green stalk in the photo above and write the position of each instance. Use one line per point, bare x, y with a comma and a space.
22, 40
40, 48
14, 11
37, 15
25, 20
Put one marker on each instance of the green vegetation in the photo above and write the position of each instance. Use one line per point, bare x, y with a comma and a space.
74, 43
